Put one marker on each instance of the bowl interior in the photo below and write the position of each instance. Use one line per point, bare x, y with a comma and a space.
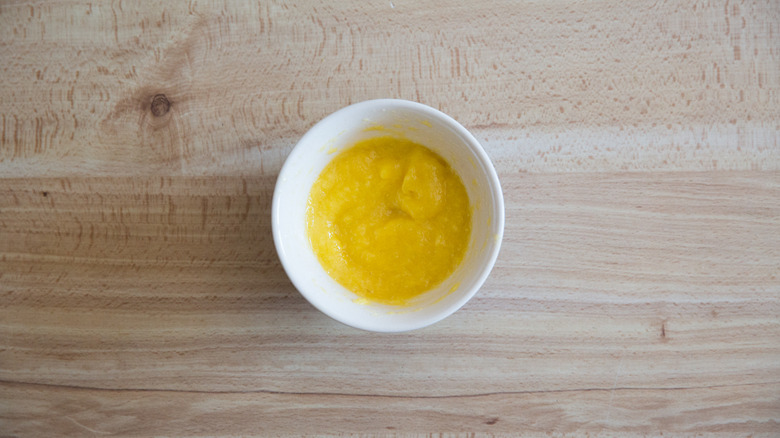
343, 129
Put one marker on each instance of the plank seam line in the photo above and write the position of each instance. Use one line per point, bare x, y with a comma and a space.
341, 394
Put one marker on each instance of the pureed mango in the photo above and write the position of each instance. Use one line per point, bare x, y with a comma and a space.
389, 219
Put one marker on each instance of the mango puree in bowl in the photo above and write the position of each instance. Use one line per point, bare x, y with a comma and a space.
389, 219
387, 215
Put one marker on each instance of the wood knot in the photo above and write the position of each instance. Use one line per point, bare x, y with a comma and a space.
160, 105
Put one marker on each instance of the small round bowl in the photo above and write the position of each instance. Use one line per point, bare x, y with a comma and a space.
420, 124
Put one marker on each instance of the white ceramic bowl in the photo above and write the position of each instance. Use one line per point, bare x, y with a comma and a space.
420, 124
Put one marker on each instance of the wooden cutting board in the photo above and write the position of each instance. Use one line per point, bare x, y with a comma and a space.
638, 287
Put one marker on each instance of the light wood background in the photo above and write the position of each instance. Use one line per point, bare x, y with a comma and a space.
638, 287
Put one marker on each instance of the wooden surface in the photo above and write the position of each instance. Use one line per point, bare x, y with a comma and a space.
637, 291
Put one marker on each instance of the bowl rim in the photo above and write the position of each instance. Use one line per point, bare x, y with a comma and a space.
495, 189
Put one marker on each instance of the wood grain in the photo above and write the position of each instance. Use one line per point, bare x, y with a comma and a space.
549, 86
636, 293
715, 411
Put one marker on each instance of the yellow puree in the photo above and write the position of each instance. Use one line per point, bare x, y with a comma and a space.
389, 219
